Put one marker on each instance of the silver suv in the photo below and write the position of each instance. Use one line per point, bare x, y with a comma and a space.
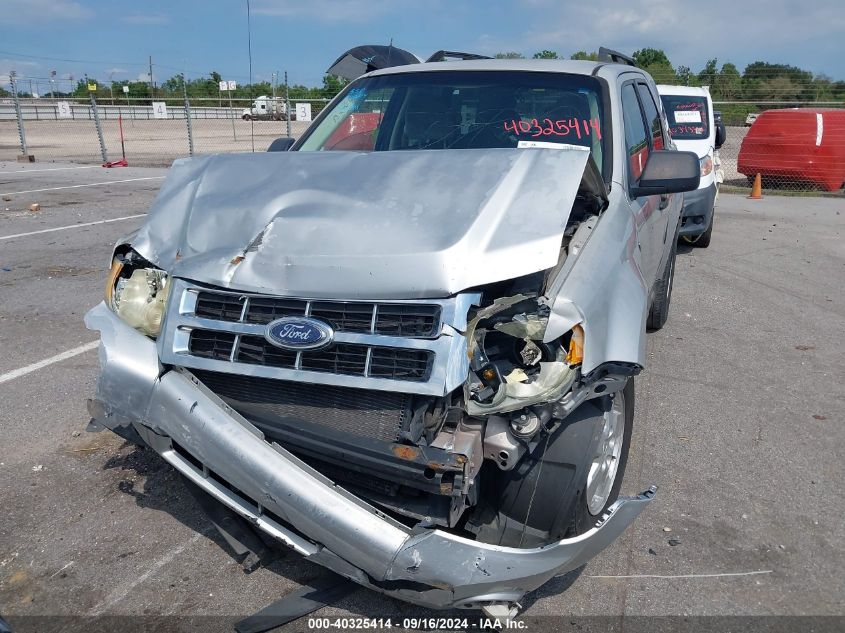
411, 359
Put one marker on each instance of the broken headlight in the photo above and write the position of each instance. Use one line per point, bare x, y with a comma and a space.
512, 367
706, 163
138, 294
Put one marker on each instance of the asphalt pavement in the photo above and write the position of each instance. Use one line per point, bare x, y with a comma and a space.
738, 421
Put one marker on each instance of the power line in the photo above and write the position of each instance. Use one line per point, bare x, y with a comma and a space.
112, 63
73, 61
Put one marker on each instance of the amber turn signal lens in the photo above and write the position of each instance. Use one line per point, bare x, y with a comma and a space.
488, 374
576, 346
116, 267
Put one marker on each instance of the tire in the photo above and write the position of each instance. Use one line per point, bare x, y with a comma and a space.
588, 511
703, 240
246, 117
659, 312
543, 498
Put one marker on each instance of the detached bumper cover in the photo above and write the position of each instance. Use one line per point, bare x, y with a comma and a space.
223, 453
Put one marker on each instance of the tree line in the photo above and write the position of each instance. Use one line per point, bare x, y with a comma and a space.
759, 81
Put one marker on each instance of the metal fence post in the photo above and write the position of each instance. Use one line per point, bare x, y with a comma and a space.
287, 104
21, 132
188, 118
99, 128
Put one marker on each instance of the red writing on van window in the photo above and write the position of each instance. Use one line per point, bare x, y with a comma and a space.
686, 129
695, 105
536, 128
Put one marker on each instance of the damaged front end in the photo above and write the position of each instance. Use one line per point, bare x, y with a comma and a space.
430, 445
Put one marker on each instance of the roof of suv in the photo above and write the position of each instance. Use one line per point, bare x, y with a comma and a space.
575, 67
684, 91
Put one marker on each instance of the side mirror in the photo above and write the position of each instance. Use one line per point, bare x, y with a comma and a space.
721, 134
281, 145
668, 172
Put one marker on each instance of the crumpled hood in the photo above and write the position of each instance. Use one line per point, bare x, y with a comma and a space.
354, 225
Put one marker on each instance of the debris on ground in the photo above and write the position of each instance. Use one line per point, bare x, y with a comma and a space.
35, 207
674, 542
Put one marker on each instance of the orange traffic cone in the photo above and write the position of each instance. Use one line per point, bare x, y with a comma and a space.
757, 189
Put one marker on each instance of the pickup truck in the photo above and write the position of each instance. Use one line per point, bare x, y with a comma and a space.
412, 361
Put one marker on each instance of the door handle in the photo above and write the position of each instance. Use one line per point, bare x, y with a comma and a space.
664, 201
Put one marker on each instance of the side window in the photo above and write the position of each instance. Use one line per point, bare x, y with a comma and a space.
636, 137
651, 116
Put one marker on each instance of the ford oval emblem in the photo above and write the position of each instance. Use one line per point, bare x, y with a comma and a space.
299, 333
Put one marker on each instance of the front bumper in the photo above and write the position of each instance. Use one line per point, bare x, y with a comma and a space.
698, 210
220, 451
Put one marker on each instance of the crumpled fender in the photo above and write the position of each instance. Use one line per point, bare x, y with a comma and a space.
603, 289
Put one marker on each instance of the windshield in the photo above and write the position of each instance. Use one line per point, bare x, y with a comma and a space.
465, 109
687, 116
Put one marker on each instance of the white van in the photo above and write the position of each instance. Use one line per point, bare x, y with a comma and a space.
689, 111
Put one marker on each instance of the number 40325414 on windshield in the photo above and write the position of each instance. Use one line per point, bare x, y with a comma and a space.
579, 128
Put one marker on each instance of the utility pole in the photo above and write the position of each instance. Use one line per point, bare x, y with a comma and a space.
52, 84
152, 87
275, 76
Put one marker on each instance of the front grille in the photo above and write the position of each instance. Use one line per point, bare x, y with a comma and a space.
378, 415
220, 307
409, 346
400, 364
211, 344
391, 319
340, 358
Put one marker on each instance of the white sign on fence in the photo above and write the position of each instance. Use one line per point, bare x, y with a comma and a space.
232, 85
159, 110
224, 86
303, 111
63, 108
126, 90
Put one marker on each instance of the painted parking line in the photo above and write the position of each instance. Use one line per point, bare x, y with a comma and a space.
32, 171
23, 371
71, 226
93, 184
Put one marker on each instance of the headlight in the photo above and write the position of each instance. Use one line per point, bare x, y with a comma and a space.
140, 298
706, 165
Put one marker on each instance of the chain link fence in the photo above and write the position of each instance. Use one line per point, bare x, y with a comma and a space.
794, 149
149, 133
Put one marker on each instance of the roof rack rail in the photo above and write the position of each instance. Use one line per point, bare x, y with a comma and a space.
609, 55
442, 56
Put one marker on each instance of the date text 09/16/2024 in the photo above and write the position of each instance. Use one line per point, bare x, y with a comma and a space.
432, 623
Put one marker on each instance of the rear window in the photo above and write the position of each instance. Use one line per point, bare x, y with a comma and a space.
463, 110
688, 116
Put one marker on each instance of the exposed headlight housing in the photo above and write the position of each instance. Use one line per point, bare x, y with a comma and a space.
138, 295
706, 165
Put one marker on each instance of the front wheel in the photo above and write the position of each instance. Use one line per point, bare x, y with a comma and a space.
609, 459
568, 480
703, 240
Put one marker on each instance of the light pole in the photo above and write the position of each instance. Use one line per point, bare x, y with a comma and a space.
111, 87
52, 84
275, 76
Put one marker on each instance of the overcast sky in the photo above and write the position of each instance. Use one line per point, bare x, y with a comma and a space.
304, 36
